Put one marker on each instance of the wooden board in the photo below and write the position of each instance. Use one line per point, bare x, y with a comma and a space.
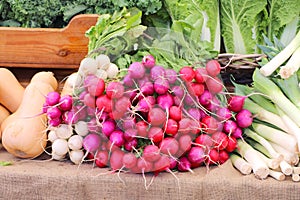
46, 47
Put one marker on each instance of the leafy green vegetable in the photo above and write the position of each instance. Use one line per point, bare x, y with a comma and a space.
5, 163
243, 22
202, 17
284, 19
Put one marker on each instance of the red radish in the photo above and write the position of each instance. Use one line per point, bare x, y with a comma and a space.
53, 112
114, 89
213, 156
145, 104
171, 127
101, 159
122, 104
147, 88
189, 100
206, 98
238, 133
161, 86
184, 165
232, 144
117, 138
157, 72
131, 144
142, 128
155, 134
175, 113
185, 143
220, 140
195, 127
116, 160
129, 160
148, 61
157, 117
151, 153
196, 155
184, 126
204, 140
213, 67
214, 85
104, 103
197, 89
144, 166
229, 126
90, 79
209, 124
89, 100
129, 134
136, 70
244, 118
173, 163
165, 101
194, 113
171, 75
187, 73
97, 87
223, 156
169, 146
52, 98
162, 164
224, 114
128, 122
201, 75
54, 122
236, 103
91, 142
66, 102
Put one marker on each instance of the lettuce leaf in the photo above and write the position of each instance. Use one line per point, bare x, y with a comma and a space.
284, 19
242, 24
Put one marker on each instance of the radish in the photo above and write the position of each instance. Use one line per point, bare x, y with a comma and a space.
100, 73
142, 128
165, 101
65, 103
104, 103
87, 66
214, 85
237, 133
112, 71
175, 113
171, 75
129, 160
101, 159
162, 164
161, 86
117, 138
76, 156
224, 114
114, 89
171, 127
64, 131
53, 112
213, 156
213, 68
169, 146
184, 126
108, 127
143, 166
157, 72
184, 165
157, 117
52, 135
155, 134
128, 122
244, 118
204, 140
220, 140
185, 143
89, 100
209, 124
136, 70
223, 156
52, 98
60, 147
81, 128
116, 160
129, 145
196, 89
147, 88
91, 142
229, 126
236, 103
196, 155
187, 73
146, 104
173, 163
128, 81
232, 144
96, 88
122, 104
129, 134
194, 113
201, 75
103, 61
177, 91
148, 61
151, 153
205, 98
75, 142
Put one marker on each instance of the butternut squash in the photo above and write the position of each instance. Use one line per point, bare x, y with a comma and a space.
11, 91
4, 113
24, 132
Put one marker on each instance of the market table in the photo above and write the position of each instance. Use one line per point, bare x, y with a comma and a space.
44, 179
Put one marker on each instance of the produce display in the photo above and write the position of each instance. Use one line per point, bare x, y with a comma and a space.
151, 99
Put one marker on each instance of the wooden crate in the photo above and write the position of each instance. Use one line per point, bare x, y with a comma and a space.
46, 47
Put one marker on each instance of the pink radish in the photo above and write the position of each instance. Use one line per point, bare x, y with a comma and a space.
151, 153
155, 134
213, 67
114, 89
157, 117
169, 146
220, 140
184, 164
175, 113
101, 159
129, 160
187, 73
136, 70
117, 138
244, 118
236, 103
148, 61
171, 127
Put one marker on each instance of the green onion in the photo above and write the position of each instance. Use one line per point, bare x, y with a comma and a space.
292, 65
239, 163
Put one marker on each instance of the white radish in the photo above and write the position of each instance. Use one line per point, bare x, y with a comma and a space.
112, 70
101, 74
103, 61
52, 136
87, 66
76, 156
58, 157
81, 128
72, 81
60, 147
64, 131
75, 142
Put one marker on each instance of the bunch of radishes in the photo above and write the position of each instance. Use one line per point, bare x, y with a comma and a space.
156, 119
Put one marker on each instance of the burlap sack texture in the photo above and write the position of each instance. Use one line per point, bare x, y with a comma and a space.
41, 179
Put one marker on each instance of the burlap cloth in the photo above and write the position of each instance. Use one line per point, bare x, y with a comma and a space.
43, 179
